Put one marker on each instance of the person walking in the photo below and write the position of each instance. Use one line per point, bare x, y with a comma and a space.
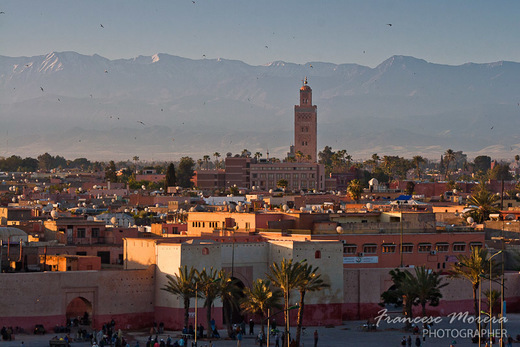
239, 339
251, 327
315, 338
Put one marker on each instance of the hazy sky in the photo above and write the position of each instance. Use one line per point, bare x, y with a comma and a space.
258, 32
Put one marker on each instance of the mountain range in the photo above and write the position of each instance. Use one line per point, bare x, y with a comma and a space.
163, 107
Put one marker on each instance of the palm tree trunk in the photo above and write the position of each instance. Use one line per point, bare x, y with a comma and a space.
300, 318
208, 318
475, 303
186, 311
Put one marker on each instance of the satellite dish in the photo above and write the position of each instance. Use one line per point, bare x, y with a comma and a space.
470, 220
54, 214
143, 187
157, 205
113, 220
302, 209
270, 191
285, 207
369, 206
339, 230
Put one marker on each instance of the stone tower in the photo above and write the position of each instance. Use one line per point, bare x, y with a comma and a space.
305, 126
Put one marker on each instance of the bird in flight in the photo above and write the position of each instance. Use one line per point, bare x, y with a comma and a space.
106, 71
101, 25
41, 88
140, 122
2, 12
266, 47
389, 24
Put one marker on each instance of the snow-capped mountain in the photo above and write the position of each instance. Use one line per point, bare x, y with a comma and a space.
165, 107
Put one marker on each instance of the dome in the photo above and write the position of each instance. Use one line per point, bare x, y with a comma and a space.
306, 88
14, 234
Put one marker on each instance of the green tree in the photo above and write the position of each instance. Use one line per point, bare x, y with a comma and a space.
426, 284
170, 179
111, 172
401, 293
449, 156
217, 162
185, 172
210, 289
231, 294
285, 276
325, 158
259, 298
258, 155
410, 186
206, 160
482, 163
355, 189
471, 268
183, 286
283, 183
482, 203
309, 281
417, 162
45, 161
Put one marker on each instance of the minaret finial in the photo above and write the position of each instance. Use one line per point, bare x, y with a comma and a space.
305, 79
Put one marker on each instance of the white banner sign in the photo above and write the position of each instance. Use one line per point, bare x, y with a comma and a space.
361, 260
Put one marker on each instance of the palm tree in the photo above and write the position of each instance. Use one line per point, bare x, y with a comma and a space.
183, 285
355, 189
485, 202
493, 299
402, 292
206, 160
310, 281
259, 298
209, 289
230, 294
449, 156
258, 155
217, 163
285, 276
426, 285
199, 163
417, 161
472, 268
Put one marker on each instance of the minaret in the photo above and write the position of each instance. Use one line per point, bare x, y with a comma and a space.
306, 126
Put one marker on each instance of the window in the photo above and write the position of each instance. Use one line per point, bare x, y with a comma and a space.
247, 226
317, 254
81, 233
205, 251
424, 247
442, 247
459, 247
407, 247
477, 245
164, 230
369, 248
350, 249
95, 232
388, 248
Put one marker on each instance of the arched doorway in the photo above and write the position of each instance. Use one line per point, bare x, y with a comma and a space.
231, 310
79, 311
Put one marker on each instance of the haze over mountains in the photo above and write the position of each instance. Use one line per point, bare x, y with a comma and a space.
163, 107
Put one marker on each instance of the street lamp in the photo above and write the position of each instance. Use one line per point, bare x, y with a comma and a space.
490, 304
